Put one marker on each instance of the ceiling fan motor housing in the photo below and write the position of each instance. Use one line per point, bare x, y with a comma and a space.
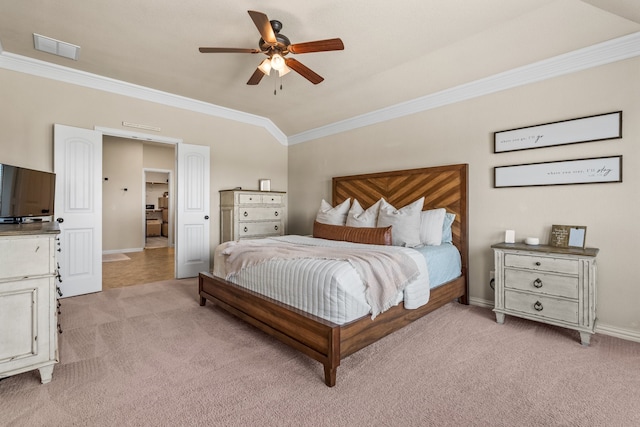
283, 41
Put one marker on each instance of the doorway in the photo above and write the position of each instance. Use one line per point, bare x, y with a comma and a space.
158, 208
78, 155
138, 212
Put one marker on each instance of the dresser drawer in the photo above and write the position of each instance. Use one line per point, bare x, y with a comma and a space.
266, 228
23, 257
542, 263
259, 214
272, 199
249, 199
542, 306
542, 283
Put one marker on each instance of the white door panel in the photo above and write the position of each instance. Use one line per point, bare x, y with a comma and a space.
78, 208
192, 233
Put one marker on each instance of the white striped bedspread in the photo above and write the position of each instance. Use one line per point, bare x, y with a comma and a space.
329, 289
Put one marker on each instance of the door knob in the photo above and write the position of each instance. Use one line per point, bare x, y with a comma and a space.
60, 220
206, 217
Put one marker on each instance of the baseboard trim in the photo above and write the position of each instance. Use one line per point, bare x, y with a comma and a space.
613, 331
122, 251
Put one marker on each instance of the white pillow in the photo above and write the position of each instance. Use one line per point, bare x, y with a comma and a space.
405, 222
334, 216
358, 217
431, 223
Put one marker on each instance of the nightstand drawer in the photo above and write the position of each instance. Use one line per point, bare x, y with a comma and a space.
543, 306
542, 283
259, 214
542, 263
267, 228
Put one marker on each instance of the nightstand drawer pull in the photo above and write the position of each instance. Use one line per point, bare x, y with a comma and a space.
246, 229
537, 283
246, 213
538, 264
538, 306
275, 228
276, 213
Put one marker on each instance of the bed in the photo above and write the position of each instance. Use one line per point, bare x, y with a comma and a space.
329, 342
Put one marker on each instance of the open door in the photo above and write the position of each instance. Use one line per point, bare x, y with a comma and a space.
192, 225
78, 208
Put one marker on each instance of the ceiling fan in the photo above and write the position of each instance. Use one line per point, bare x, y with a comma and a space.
277, 46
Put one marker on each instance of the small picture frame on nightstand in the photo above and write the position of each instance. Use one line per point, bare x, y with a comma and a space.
568, 236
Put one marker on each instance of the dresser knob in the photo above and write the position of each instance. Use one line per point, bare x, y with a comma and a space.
537, 283
538, 306
275, 228
246, 213
538, 264
276, 213
246, 229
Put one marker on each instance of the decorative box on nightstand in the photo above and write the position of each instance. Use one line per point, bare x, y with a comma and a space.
547, 284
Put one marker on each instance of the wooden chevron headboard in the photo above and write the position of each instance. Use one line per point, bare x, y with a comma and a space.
442, 187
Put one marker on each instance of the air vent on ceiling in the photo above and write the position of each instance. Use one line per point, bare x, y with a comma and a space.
56, 47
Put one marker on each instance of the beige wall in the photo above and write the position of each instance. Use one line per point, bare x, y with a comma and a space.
123, 162
121, 210
463, 133
241, 154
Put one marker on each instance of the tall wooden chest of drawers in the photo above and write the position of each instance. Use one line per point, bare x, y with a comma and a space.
251, 214
547, 284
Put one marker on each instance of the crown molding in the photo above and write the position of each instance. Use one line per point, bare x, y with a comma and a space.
599, 54
48, 70
593, 56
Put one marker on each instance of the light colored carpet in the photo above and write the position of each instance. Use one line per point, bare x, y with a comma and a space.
150, 355
114, 257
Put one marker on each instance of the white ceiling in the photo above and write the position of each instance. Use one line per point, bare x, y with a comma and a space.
394, 51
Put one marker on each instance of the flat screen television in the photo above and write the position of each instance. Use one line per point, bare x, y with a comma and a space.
25, 194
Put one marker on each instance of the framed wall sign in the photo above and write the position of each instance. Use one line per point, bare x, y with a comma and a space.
562, 172
568, 236
584, 129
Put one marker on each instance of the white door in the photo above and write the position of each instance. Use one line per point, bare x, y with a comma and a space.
192, 225
78, 208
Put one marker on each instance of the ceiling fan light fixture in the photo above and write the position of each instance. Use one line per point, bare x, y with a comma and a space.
265, 66
285, 70
277, 62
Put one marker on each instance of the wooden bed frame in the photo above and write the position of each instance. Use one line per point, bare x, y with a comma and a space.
327, 342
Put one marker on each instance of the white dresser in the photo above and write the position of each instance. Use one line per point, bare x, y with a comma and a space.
251, 214
28, 300
547, 284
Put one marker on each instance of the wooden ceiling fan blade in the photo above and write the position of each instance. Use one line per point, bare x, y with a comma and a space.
227, 50
317, 46
256, 77
304, 71
264, 26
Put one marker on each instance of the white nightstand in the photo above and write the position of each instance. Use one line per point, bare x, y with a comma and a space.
547, 284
